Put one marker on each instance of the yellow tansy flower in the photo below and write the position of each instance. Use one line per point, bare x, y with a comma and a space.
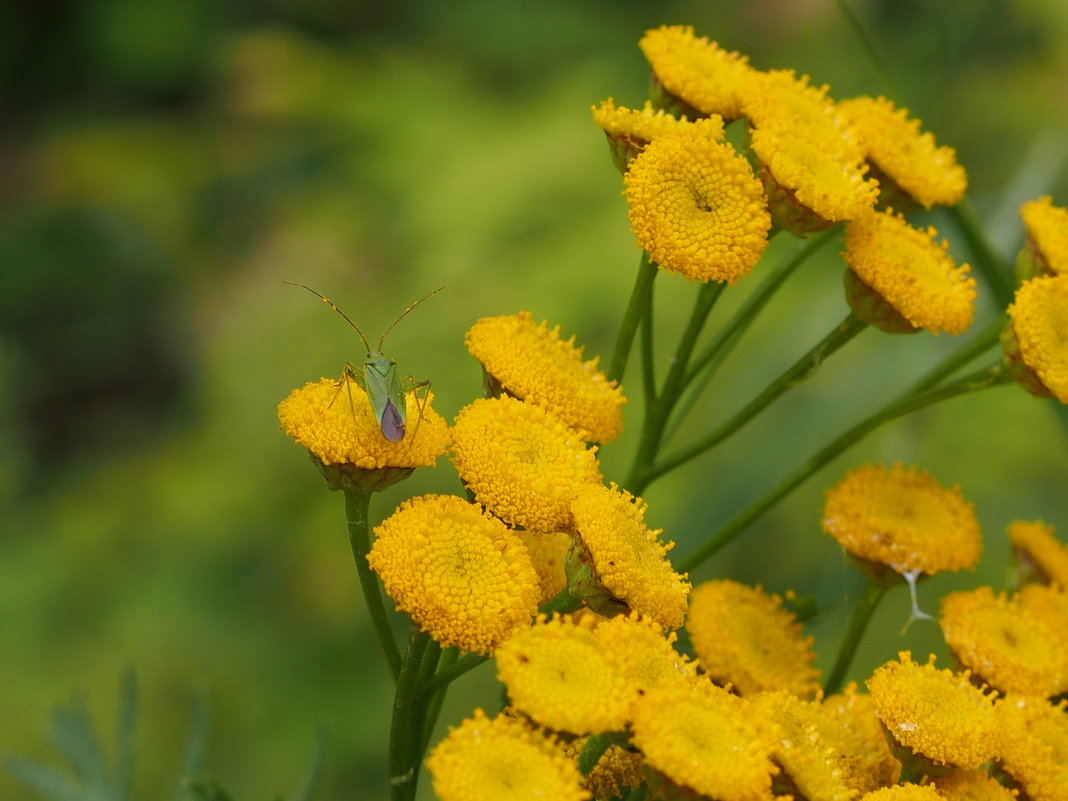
1049, 603
744, 636
902, 518
346, 441
1034, 746
460, 573
971, 785
1039, 552
696, 208
628, 558
521, 462
781, 99
548, 552
697, 71
848, 723
645, 656
558, 673
531, 362
910, 272
907, 162
617, 769
1003, 644
706, 739
1036, 340
1047, 234
934, 713
502, 759
904, 792
630, 130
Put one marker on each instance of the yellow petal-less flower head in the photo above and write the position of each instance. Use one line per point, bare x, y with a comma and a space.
971, 785
558, 673
531, 362
1003, 644
521, 462
502, 759
1036, 338
904, 519
745, 637
548, 552
696, 208
904, 792
346, 442
935, 714
1049, 603
809, 763
910, 167
1034, 746
618, 768
696, 71
644, 654
909, 272
630, 130
1046, 248
625, 557
460, 573
848, 723
704, 738
1041, 556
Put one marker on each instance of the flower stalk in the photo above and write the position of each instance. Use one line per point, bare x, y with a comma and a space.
873, 593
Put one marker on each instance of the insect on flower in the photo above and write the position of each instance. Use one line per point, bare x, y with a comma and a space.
378, 377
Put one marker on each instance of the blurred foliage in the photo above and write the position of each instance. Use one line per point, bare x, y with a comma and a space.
168, 164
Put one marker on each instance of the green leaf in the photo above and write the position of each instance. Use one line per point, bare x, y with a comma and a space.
45, 781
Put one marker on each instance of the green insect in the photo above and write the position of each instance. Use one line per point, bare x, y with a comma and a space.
379, 378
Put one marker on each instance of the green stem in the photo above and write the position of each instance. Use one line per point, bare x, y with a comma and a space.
802, 369
639, 300
437, 698
406, 728
648, 360
979, 344
874, 591
989, 264
356, 506
988, 377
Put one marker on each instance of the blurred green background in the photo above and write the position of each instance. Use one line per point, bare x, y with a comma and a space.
166, 165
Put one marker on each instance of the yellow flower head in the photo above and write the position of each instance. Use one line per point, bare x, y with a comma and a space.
908, 163
1004, 644
1047, 234
502, 759
1034, 746
697, 71
558, 673
521, 462
345, 439
744, 636
548, 552
906, 269
706, 739
1039, 552
645, 656
904, 792
696, 207
934, 713
532, 363
810, 762
460, 574
1050, 605
1036, 340
629, 559
617, 769
902, 518
848, 723
630, 130
971, 785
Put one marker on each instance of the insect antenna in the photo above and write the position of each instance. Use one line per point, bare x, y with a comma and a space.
404, 313
355, 327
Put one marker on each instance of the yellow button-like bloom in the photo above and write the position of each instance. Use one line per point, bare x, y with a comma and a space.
629, 559
704, 738
630, 130
1038, 335
1047, 234
902, 518
697, 71
1003, 644
904, 792
560, 675
502, 759
908, 270
320, 417
645, 656
848, 723
744, 636
971, 785
521, 462
1034, 746
532, 362
1039, 552
907, 161
780, 99
696, 207
548, 552
935, 713
460, 573
1049, 603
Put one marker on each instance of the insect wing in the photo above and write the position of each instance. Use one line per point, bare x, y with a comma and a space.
391, 423
386, 396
